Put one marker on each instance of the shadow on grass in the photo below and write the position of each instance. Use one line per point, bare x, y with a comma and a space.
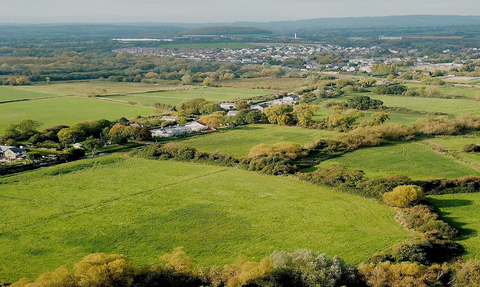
465, 233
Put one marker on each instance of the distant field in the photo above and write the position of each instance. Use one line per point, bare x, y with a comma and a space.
239, 141
66, 110
401, 119
271, 83
466, 92
94, 87
450, 106
410, 159
175, 97
207, 46
144, 208
461, 211
13, 94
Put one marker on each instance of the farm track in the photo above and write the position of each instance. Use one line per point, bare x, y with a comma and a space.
404, 154
34, 99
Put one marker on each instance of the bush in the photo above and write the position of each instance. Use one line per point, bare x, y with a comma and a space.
403, 196
422, 219
471, 148
385, 184
467, 274
387, 274
336, 175
421, 252
272, 164
308, 268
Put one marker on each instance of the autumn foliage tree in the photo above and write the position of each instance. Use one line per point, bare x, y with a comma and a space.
404, 196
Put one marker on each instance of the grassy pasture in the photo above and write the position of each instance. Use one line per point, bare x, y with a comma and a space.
450, 106
88, 88
12, 94
457, 91
411, 159
461, 211
174, 97
267, 83
144, 208
238, 142
66, 110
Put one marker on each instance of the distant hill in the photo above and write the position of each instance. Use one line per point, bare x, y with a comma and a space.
226, 30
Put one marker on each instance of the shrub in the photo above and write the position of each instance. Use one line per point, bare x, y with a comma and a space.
336, 175
308, 268
471, 148
385, 184
467, 274
422, 219
387, 274
403, 196
282, 149
272, 164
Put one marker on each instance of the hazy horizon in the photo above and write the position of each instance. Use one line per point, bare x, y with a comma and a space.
213, 11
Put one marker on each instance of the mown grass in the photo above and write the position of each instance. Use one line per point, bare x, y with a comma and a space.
238, 142
144, 208
461, 211
13, 94
66, 110
174, 97
410, 159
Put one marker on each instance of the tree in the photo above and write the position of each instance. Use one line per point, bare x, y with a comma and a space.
22, 130
281, 114
377, 119
92, 144
384, 69
214, 120
303, 114
404, 196
67, 136
187, 79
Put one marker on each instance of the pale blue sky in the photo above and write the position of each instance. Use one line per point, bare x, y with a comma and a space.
51, 11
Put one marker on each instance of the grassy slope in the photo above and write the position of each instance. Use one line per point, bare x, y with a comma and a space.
461, 210
410, 159
144, 208
66, 110
238, 142
175, 97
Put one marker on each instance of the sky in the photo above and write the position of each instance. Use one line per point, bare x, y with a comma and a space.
204, 11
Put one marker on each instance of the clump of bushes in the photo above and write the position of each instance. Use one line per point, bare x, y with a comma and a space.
404, 196
336, 175
424, 220
303, 268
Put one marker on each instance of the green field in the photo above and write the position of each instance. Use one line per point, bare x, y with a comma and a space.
13, 94
411, 159
174, 97
448, 90
449, 106
144, 208
238, 142
461, 211
66, 111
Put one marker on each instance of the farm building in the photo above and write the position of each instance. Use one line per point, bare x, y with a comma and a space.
259, 107
190, 127
12, 152
228, 106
